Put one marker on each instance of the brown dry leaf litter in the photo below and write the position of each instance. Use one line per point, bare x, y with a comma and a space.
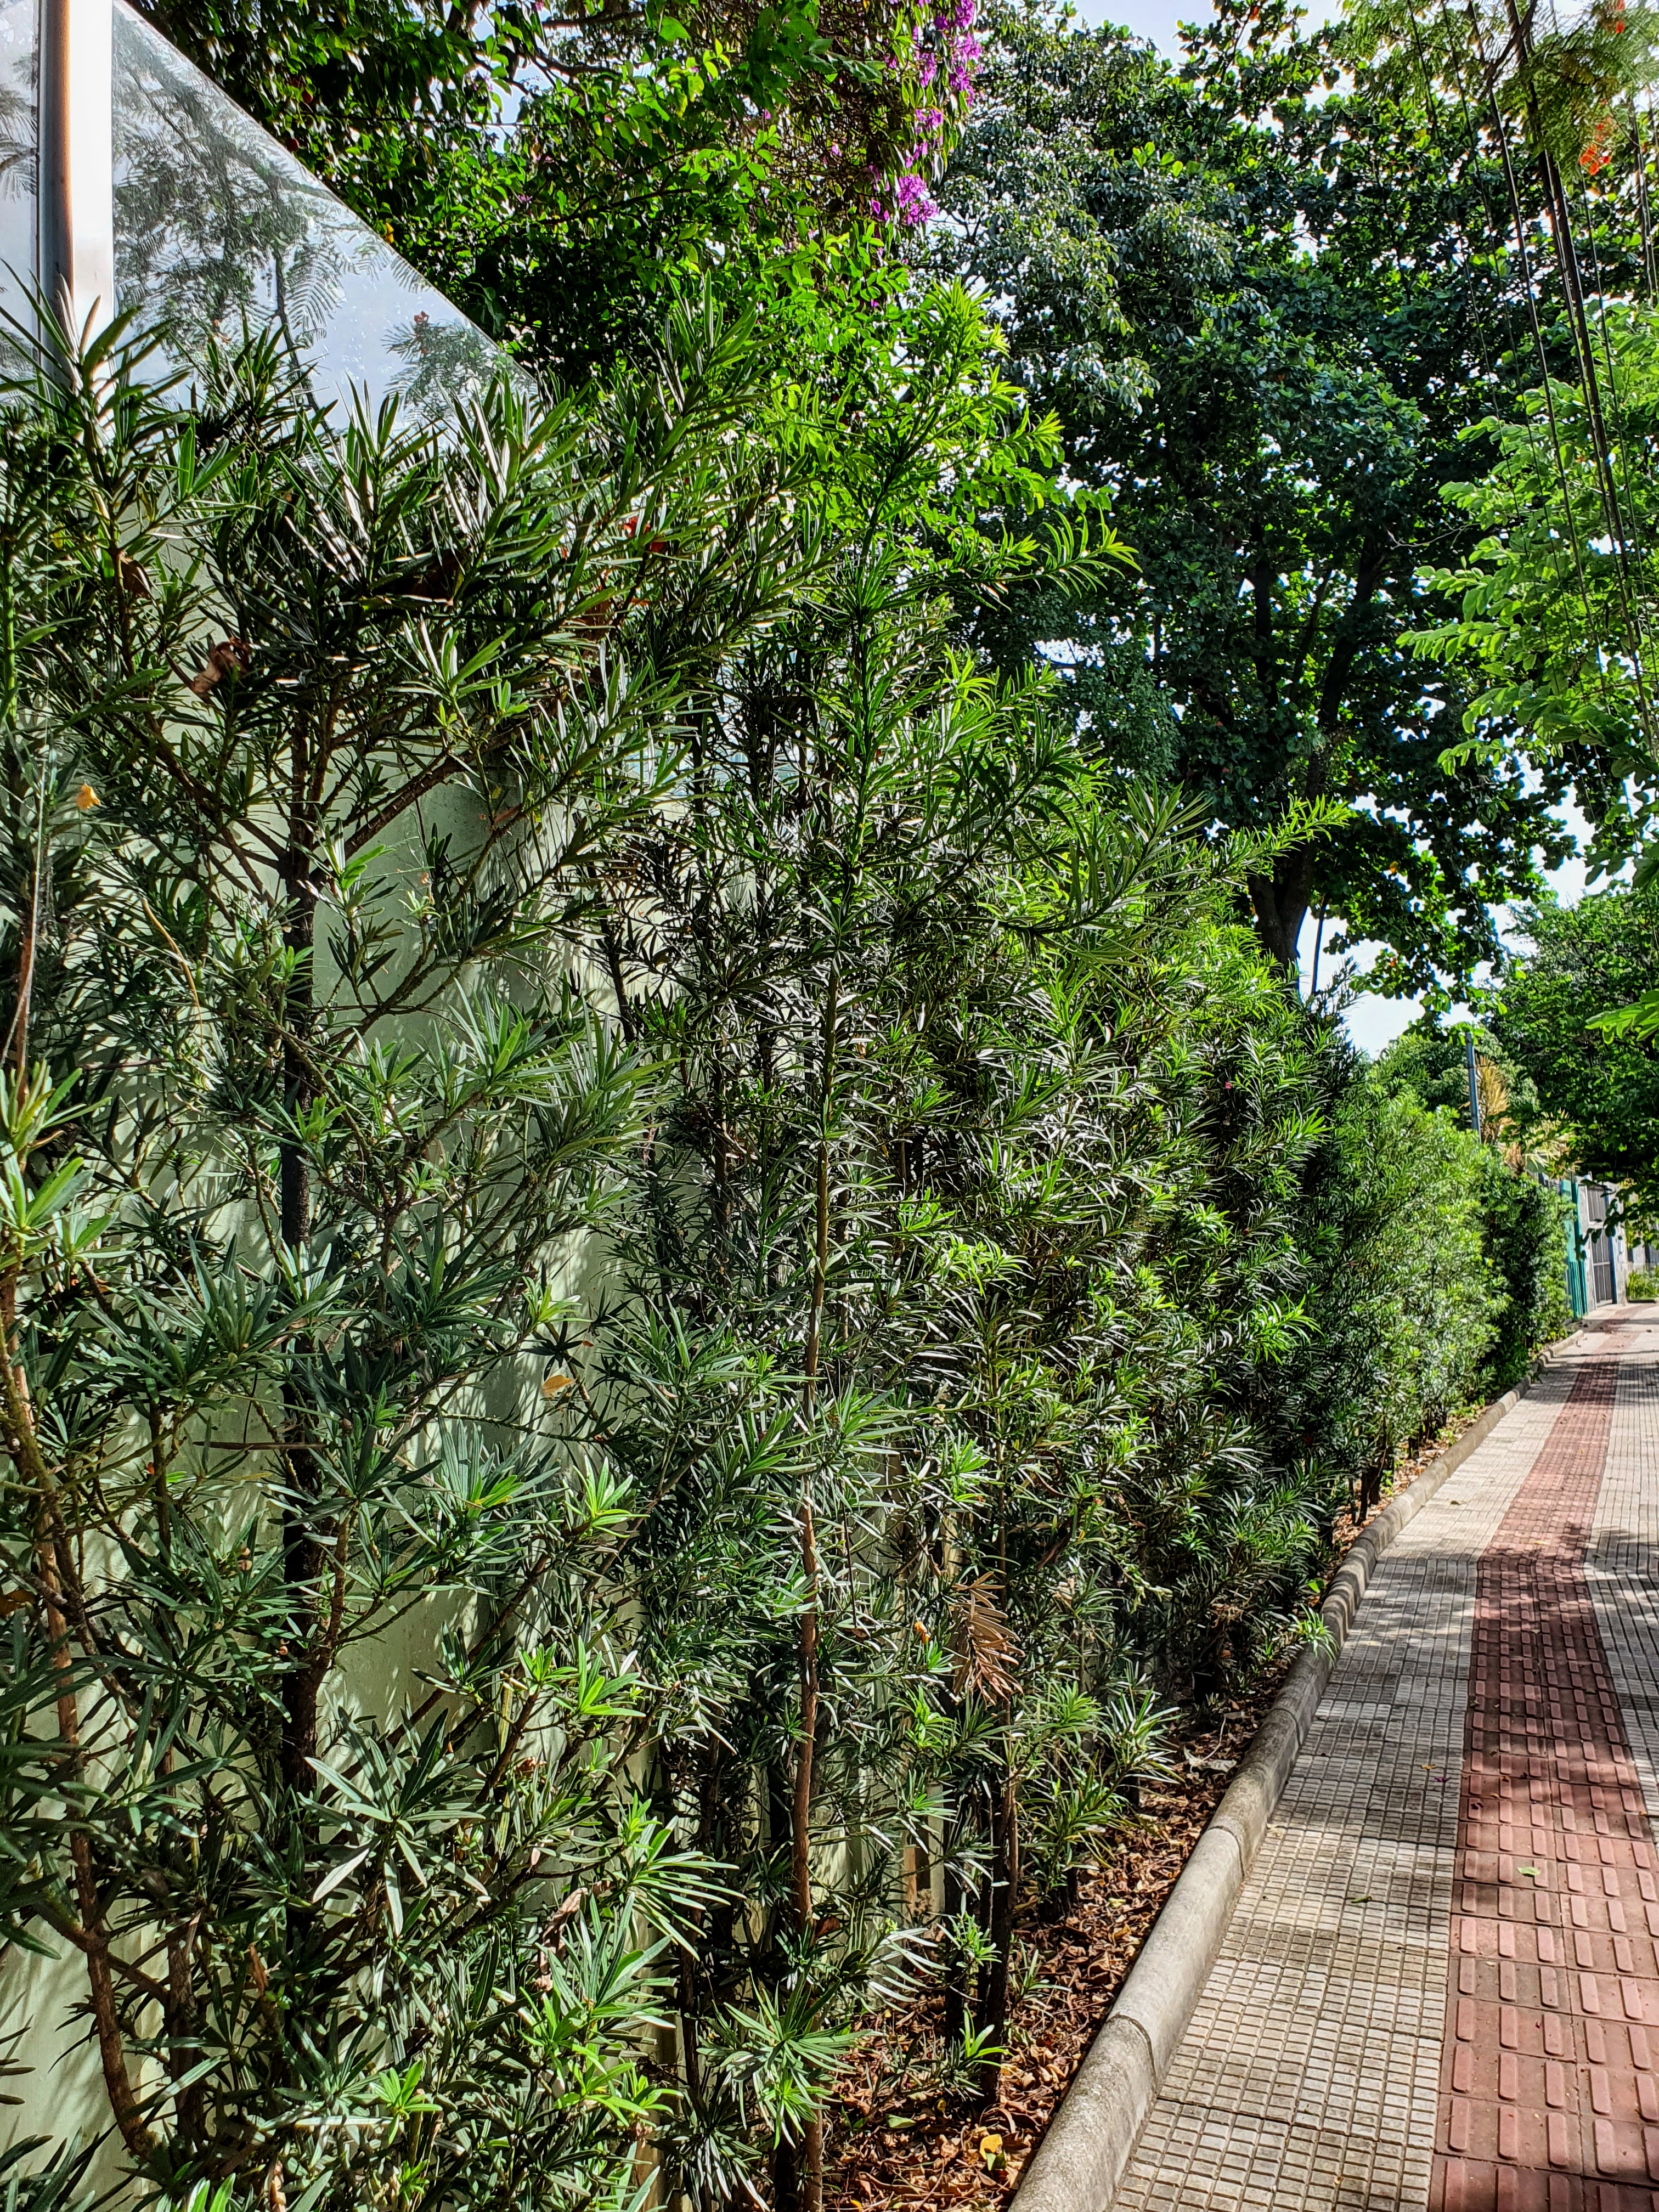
894, 2143
892, 2146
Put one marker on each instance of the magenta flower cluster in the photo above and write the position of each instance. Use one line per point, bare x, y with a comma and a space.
946, 55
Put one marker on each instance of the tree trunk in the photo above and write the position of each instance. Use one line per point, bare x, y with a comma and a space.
1280, 904
24, 1441
810, 2180
786, 2179
1281, 900
94, 1942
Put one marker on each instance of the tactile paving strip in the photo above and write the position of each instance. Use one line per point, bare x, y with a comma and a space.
1550, 2081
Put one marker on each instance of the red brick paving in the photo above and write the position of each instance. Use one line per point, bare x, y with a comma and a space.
1550, 2082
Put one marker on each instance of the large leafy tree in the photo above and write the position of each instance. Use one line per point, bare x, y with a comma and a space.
1264, 305
1554, 614
1554, 599
1597, 1087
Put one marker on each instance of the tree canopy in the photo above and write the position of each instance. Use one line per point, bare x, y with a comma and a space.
1266, 307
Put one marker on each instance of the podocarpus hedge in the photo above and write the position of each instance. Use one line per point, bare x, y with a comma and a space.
653, 1250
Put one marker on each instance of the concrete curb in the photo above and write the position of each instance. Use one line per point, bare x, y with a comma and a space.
1091, 2137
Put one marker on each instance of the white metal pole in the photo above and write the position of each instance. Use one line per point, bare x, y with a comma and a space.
77, 197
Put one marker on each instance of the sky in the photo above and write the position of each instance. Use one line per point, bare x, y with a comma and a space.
1156, 19
1148, 19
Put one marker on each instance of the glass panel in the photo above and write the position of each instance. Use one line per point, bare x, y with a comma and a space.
19, 225
219, 229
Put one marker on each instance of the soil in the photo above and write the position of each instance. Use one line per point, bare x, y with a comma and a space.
895, 2142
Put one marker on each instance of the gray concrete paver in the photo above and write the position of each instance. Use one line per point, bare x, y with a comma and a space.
1309, 2074
1622, 1564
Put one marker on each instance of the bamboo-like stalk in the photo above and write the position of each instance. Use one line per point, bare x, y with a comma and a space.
811, 2193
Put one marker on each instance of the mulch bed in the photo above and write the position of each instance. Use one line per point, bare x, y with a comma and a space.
890, 2146
894, 2142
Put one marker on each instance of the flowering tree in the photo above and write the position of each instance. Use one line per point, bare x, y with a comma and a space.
945, 59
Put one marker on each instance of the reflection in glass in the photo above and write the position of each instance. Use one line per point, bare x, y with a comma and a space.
20, 227
219, 230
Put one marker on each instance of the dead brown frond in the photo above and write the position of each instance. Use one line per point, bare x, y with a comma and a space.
986, 1649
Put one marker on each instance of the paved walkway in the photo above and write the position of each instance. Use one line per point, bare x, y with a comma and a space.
1440, 1991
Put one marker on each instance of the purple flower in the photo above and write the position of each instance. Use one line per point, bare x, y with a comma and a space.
912, 204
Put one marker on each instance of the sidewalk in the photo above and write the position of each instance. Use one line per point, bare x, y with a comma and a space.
1440, 1990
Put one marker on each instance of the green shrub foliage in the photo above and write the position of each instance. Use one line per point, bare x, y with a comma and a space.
1408, 1301
324, 1734
1438, 1266
669, 1272
1525, 1221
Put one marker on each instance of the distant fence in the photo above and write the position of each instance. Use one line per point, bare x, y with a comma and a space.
1597, 1259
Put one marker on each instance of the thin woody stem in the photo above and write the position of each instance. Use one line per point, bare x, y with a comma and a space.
93, 1939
